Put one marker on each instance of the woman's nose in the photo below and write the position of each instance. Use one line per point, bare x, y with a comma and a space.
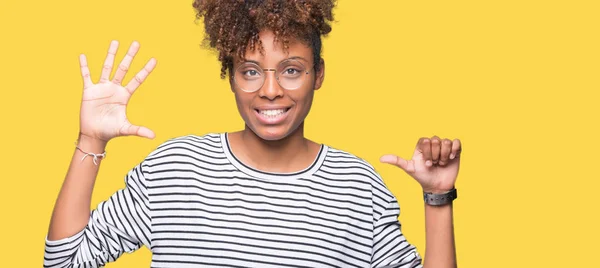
270, 88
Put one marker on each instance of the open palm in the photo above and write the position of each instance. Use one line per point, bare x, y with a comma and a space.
104, 104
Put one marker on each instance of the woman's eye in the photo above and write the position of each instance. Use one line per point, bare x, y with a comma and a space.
251, 73
291, 71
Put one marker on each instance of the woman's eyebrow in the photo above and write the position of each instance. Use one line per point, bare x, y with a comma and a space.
252, 61
296, 58
290, 58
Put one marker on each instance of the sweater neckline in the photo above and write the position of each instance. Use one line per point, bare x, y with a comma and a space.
260, 174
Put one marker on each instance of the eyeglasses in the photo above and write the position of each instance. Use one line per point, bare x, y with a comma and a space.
290, 74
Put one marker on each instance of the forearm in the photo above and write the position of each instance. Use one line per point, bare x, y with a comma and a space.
72, 209
439, 232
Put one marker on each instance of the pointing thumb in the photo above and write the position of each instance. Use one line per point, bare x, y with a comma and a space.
395, 160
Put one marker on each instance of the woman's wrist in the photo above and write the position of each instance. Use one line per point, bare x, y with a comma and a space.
438, 190
90, 144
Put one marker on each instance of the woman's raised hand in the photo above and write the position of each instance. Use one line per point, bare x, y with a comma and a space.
104, 104
434, 164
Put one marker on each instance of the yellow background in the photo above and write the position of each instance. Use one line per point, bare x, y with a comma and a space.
516, 81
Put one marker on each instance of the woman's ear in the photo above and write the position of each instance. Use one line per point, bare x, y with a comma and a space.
320, 75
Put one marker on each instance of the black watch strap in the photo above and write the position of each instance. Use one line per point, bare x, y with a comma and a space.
440, 199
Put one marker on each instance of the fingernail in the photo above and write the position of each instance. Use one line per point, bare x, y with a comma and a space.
428, 163
451, 156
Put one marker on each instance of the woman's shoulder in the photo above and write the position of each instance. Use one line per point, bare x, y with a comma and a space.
345, 162
348, 166
190, 144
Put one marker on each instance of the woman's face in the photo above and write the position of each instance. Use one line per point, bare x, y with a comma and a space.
273, 112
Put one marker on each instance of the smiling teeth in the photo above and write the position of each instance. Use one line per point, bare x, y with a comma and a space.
273, 112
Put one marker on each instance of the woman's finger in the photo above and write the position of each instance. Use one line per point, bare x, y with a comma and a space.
435, 149
425, 148
125, 63
85, 72
139, 78
407, 166
445, 152
108, 62
128, 130
456, 149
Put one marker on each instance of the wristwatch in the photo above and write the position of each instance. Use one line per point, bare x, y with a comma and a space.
440, 199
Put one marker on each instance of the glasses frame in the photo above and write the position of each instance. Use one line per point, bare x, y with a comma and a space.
275, 72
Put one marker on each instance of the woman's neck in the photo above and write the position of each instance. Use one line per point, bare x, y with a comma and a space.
290, 154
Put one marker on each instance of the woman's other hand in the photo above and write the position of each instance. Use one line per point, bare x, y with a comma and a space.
434, 164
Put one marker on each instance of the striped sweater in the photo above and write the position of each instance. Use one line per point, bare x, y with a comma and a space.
194, 204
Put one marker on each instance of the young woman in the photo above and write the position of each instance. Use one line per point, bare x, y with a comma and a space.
265, 196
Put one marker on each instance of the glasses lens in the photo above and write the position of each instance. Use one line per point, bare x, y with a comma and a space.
249, 77
291, 74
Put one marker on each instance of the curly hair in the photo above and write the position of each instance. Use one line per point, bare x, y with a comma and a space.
232, 26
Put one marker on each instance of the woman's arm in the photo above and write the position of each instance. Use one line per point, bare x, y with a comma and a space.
72, 209
435, 164
439, 235
120, 224
102, 117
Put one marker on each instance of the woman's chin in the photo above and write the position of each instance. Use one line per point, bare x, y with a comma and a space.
271, 133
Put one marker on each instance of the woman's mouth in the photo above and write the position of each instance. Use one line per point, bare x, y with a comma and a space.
272, 116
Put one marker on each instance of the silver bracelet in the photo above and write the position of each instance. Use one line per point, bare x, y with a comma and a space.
95, 156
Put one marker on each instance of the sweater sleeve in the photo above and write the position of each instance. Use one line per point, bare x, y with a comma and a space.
390, 247
118, 225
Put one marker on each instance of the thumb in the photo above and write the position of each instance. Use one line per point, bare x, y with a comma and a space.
396, 161
128, 129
